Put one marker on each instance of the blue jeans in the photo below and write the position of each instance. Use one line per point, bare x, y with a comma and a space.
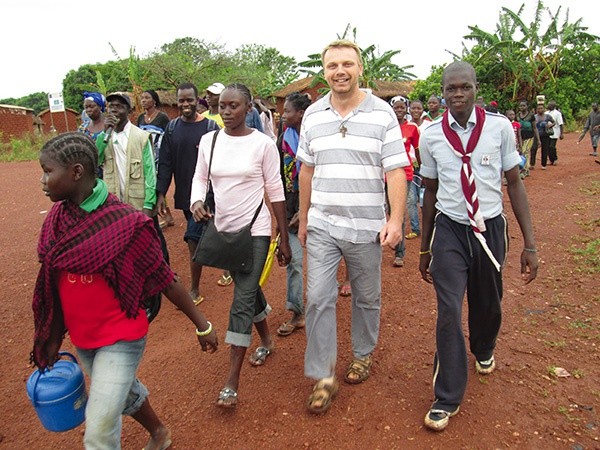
114, 391
363, 262
400, 250
295, 282
412, 202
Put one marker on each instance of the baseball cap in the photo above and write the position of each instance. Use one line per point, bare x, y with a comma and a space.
216, 88
399, 98
120, 95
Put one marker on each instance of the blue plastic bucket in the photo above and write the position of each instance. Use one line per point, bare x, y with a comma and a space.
58, 395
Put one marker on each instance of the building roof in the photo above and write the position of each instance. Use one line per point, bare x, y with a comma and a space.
384, 89
68, 109
16, 107
296, 86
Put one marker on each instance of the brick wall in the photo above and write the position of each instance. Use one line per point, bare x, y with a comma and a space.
73, 119
15, 121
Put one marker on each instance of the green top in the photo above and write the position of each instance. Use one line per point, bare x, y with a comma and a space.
97, 198
148, 168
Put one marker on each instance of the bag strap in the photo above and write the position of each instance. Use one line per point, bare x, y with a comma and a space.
256, 213
212, 148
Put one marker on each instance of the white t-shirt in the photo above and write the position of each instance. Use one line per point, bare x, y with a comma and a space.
120, 141
557, 117
244, 169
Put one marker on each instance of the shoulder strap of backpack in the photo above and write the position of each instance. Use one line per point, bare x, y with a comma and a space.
171, 126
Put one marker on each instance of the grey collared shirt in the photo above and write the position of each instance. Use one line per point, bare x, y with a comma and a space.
495, 153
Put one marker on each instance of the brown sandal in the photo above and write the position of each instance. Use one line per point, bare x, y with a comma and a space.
288, 327
358, 370
322, 395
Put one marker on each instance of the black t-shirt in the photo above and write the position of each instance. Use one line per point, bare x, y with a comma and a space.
160, 120
178, 156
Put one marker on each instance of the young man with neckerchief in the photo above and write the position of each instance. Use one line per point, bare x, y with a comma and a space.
465, 236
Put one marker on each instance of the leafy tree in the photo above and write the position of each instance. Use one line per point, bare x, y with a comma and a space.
107, 77
519, 61
37, 101
263, 69
76, 82
431, 86
185, 60
375, 66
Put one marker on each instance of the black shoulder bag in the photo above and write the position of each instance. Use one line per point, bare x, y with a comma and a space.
224, 250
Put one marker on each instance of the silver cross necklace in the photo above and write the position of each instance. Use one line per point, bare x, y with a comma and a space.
343, 128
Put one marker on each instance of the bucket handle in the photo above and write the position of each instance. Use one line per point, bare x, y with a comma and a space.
60, 355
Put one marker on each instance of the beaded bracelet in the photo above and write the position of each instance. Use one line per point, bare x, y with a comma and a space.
530, 250
425, 252
205, 332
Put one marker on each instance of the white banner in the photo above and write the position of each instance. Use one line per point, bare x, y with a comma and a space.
56, 102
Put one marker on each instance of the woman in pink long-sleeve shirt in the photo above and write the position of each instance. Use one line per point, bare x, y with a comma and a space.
245, 167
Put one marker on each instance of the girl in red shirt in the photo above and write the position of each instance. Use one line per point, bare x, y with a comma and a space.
100, 259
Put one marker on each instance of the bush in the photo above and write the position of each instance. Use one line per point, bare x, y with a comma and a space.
25, 148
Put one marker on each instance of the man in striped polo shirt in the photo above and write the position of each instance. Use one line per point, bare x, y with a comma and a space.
349, 139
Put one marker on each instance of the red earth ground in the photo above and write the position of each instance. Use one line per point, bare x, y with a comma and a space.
551, 323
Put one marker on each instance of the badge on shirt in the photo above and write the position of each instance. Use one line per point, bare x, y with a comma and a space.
485, 160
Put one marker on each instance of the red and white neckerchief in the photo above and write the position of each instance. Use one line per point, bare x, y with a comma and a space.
467, 179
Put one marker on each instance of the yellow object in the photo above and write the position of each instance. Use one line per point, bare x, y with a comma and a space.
264, 276
205, 332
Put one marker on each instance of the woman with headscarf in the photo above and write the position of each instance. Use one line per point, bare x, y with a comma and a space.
94, 105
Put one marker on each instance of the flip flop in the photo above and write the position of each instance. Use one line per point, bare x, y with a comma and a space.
259, 356
225, 280
288, 328
164, 445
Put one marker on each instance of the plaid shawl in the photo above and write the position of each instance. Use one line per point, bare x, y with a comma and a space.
114, 240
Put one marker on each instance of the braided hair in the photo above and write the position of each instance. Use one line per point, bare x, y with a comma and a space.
71, 148
299, 101
242, 89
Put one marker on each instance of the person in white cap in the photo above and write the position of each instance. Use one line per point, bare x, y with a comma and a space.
212, 98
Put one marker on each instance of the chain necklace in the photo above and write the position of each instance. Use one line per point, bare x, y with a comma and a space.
343, 128
149, 119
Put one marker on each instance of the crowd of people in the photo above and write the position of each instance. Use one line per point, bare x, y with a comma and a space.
345, 176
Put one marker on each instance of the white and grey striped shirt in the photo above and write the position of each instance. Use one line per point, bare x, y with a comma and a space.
348, 197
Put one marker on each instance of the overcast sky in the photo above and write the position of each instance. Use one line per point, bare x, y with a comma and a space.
42, 40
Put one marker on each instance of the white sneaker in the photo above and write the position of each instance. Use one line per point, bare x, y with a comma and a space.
485, 367
438, 419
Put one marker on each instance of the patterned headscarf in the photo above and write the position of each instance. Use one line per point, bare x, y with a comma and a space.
97, 98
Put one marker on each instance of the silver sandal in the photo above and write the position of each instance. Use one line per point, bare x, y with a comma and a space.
227, 398
259, 356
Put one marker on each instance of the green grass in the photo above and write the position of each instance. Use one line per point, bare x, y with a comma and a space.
578, 373
588, 256
26, 148
556, 344
593, 188
585, 323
